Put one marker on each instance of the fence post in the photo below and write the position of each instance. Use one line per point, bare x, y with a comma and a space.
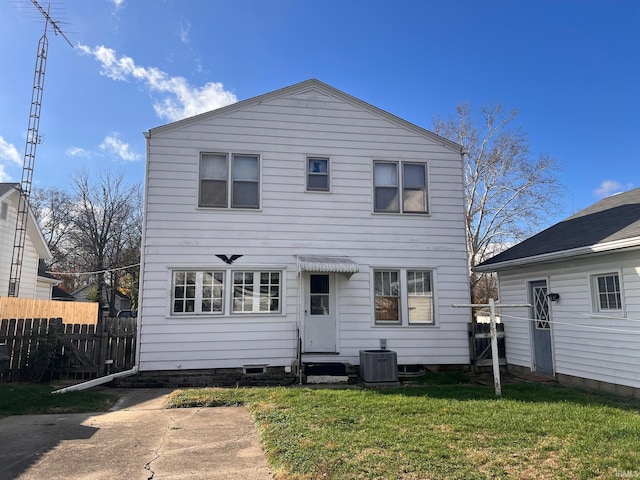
104, 346
494, 336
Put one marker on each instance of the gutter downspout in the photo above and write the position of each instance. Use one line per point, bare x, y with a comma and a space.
127, 373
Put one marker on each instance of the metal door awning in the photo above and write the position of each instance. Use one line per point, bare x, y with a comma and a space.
327, 264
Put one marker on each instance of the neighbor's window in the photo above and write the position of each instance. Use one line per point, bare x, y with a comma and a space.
229, 181
606, 292
400, 187
318, 174
387, 296
420, 297
4, 210
198, 292
256, 292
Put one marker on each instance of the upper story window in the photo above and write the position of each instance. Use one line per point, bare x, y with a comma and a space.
229, 181
606, 292
4, 210
400, 187
317, 174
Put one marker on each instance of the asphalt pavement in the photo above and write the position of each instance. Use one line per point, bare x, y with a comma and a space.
137, 439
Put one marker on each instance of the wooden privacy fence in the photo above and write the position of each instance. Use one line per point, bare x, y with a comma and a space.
480, 344
70, 312
42, 350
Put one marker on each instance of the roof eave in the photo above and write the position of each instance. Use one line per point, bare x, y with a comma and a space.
627, 244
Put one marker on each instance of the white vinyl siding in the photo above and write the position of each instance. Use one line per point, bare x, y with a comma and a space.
29, 273
601, 346
286, 130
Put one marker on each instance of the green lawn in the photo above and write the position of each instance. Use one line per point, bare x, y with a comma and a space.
23, 399
439, 432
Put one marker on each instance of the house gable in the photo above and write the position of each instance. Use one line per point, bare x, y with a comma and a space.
308, 90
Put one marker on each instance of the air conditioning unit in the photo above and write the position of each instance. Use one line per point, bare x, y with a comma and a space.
379, 366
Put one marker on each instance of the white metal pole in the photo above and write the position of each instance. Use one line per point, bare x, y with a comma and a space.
494, 348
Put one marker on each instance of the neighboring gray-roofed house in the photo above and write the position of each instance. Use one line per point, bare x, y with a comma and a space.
582, 278
32, 284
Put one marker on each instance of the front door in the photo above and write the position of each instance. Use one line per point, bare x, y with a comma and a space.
541, 328
319, 314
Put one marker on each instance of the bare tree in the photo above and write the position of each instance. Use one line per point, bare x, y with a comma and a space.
508, 192
53, 210
106, 219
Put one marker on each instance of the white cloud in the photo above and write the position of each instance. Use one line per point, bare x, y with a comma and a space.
112, 144
4, 176
179, 98
184, 26
78, 152
607, 188
117, 3
8, 151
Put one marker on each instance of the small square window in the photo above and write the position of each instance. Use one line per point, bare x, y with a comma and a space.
606, 292
318, 174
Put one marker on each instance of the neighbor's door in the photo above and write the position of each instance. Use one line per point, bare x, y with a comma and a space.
541, 328
319, 314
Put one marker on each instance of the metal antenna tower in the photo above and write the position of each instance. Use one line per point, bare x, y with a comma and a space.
33, 139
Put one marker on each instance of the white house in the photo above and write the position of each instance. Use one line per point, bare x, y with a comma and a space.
582, 278
301, 224
33, 283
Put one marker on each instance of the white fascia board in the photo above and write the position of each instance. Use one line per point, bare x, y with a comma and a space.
600, 248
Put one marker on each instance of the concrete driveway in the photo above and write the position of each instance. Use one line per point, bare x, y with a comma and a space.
137, 439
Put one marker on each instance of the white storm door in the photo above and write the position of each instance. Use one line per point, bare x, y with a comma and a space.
319, 314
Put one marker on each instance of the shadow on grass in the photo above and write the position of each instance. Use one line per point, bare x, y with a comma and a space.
523, 392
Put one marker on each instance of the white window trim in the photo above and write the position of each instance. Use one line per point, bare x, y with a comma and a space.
229, 156
227, 301
400, 173
594, 294
256, 300
198, 293
404, 297
306, 173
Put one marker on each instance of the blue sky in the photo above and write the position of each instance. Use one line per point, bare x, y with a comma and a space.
572, 68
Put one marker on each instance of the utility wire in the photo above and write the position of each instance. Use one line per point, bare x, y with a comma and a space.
554, 322
97, 271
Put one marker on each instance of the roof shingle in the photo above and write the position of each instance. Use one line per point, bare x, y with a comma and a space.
612, 219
